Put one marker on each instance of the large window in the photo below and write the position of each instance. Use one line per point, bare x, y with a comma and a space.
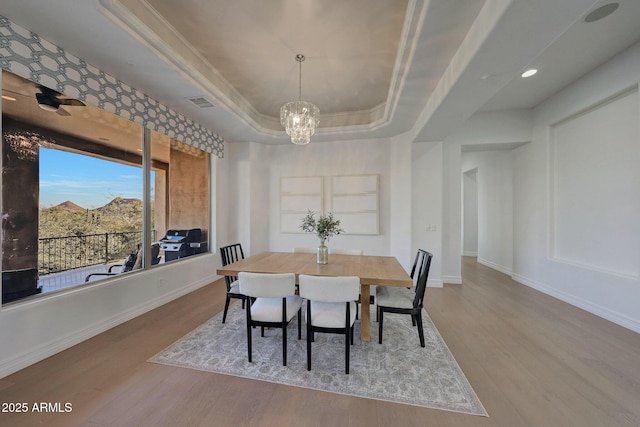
87, 195
180, 200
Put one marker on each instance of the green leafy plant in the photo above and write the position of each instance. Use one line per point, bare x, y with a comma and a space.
326, 226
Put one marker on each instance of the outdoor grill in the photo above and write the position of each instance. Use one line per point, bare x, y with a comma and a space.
181, 243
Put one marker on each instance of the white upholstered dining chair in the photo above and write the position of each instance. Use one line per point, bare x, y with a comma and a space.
331, 308
271, 302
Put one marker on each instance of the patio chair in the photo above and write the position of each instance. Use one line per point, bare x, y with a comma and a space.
131, 263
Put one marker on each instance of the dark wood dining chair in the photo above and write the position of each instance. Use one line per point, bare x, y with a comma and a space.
405, 301
417, 264
230, 254
271, 303
331, 308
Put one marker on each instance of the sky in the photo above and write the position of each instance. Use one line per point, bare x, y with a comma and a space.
86, 181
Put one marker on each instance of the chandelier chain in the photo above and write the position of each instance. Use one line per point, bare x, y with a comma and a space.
300, 57
300, 83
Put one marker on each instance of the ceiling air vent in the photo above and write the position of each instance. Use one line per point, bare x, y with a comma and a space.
200, 102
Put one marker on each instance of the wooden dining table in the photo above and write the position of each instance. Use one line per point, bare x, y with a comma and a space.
371, 269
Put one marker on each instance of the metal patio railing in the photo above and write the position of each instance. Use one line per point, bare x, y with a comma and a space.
56, 254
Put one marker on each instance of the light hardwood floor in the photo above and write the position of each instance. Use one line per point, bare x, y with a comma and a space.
532, 360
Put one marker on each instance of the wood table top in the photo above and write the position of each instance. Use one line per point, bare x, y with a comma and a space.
371, 269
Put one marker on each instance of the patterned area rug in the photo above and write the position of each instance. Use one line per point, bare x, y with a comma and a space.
399, 370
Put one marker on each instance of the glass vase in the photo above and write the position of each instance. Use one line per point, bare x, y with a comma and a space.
323, 253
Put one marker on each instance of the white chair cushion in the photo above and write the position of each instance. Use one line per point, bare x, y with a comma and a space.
387, 296
235, 287
264, 285
329, 289
331, 314
270, 309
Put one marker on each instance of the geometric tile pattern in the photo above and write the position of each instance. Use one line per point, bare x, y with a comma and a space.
26, 54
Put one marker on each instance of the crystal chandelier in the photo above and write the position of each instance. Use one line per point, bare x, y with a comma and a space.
299, 118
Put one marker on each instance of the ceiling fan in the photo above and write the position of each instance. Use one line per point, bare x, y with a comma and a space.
51, 100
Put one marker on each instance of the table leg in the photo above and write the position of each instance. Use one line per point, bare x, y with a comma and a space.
365, 321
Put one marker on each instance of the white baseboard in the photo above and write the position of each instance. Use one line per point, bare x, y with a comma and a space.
495, 266
469, 253
47, 349
434, 283
456, 280
605, 313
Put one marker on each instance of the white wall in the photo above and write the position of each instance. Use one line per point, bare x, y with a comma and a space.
470, 212
541, 228
576, 189
236, 202
426, 207
327, 159
494, 206
391, 159
487, 129
594, 177
403, 188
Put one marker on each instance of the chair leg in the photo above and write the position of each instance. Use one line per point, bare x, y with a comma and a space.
413, 320
309, 338
284, 344
380, 320
300, 323
262, 331
226, 308
248, 335
420, 330
347, 347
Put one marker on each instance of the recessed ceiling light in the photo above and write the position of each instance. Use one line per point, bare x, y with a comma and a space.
601, 12
8, 98
529, 73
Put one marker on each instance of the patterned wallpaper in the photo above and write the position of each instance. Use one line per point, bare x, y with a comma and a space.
24, 53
